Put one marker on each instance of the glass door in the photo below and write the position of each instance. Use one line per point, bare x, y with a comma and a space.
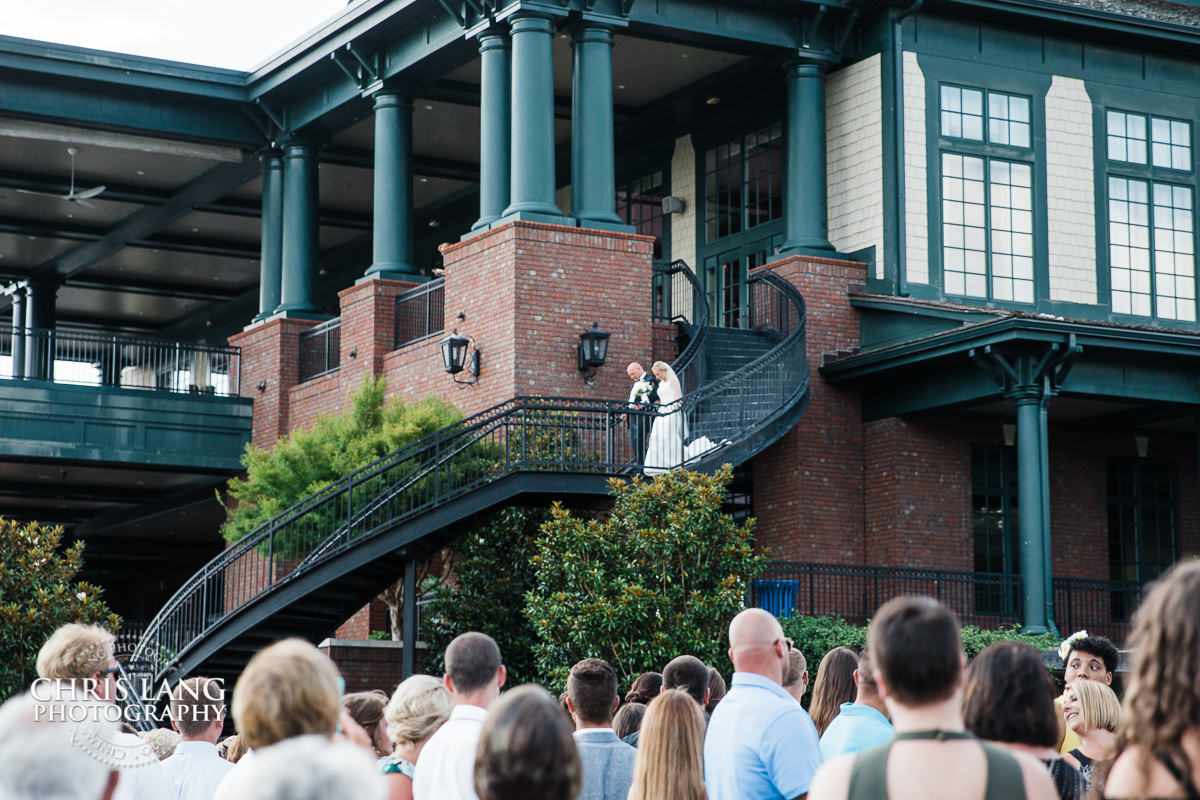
725, 283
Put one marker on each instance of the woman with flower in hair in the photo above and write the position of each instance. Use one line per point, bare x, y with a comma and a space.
1090, 658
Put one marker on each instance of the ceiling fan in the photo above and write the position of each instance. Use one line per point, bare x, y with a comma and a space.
72, 196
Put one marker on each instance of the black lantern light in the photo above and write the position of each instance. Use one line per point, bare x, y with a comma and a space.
593, 350
454, 356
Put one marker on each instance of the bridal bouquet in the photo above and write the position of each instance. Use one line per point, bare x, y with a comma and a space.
642, 390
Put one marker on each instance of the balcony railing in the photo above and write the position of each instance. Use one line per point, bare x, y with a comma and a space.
97, 359
420, 313
987, 600
321, 349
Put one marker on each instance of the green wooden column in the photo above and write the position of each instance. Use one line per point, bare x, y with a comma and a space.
805, 195
392, 224
298, 285
1032, 448
494, 126
531, 194
271, 249
18, 333
593, 176
40, 314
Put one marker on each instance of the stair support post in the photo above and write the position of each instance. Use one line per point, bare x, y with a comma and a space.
408, 656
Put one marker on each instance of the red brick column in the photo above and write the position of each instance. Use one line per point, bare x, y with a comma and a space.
270, 354
368, 327
808, 486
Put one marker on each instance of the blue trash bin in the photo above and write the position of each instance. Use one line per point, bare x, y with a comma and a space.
777, 597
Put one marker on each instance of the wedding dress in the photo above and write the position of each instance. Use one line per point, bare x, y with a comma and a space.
665, 449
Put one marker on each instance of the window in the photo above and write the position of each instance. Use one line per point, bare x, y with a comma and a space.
987, 195
743, 183
639, 203
1141, 525
995, 525
1151, 236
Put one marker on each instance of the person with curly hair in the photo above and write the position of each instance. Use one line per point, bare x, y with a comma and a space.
1158, 740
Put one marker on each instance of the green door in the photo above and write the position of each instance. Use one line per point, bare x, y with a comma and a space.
725, 283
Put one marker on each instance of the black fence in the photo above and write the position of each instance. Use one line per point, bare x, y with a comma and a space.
420, 313
321, 349
987, 600
85, 358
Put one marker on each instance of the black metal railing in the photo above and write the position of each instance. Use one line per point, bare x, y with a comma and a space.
677, 298
564, 435
86, 358
321, 349
854, 592
1101, 607
420, 313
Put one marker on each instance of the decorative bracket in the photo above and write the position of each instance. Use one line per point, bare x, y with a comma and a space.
362, 71
1028, 373
273, 128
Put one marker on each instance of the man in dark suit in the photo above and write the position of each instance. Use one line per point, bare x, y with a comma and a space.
607, 761
643, 397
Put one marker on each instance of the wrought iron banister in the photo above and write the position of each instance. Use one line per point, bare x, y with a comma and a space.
88, 358
321, 349
672, 284
420, 313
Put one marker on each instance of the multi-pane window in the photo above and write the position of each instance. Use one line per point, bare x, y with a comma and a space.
987, 195
1141, 525
995, 527
1151, 219
639, 203
743, 183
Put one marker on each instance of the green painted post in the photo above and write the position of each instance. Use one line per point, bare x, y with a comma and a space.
494, 126
271, 252
18, 334
40, 317
298, 285
1030, 447
532, 180
392, 225
593, 176
804, 203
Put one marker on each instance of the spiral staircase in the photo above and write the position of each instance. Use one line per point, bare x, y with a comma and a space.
310, 568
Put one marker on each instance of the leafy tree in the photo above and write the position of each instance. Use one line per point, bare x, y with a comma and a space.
491, 573
39, 593
662, 574
308, 460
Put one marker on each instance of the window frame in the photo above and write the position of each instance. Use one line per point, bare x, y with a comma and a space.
1151, 175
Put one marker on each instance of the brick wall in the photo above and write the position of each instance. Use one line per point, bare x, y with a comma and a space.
270, 354
808, 486
369, 665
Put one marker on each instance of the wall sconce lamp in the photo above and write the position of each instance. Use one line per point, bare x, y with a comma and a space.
455, 358
593, 351
672, 205
1010, 434
262, 385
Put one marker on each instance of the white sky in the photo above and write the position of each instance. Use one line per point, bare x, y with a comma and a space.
237, 34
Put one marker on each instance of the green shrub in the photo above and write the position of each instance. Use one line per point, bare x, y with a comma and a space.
662, 574
38, 594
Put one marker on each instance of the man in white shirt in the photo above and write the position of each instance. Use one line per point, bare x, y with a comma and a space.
198, 713
474, 675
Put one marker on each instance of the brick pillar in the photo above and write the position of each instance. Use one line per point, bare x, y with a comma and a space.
368, 312
527, 290
270, 354
808, 486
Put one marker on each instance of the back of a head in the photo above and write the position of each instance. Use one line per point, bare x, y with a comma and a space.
195, 704
75, 651
628, 719
1009, 696
417, 709
867, 687
797, 666
916, 647
526, 750
592, 687
645, 688
288, 689
716, 689
1098, 704
41, 757
834, 685
311, 768
365, 708
1163, 698
670, 760
472, 661
687, 673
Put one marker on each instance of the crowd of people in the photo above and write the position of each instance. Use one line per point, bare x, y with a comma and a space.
906, 718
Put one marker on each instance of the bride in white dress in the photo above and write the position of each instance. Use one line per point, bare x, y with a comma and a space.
665, 449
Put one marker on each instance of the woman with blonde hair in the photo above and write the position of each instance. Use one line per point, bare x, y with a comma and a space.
415, 711
834, 685
670, 757
1092, 711
1158, 741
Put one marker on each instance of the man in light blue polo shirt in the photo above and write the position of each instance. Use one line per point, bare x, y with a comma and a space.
862, 724
760, 745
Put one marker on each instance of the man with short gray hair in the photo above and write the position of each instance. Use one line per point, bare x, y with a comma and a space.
41, 754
